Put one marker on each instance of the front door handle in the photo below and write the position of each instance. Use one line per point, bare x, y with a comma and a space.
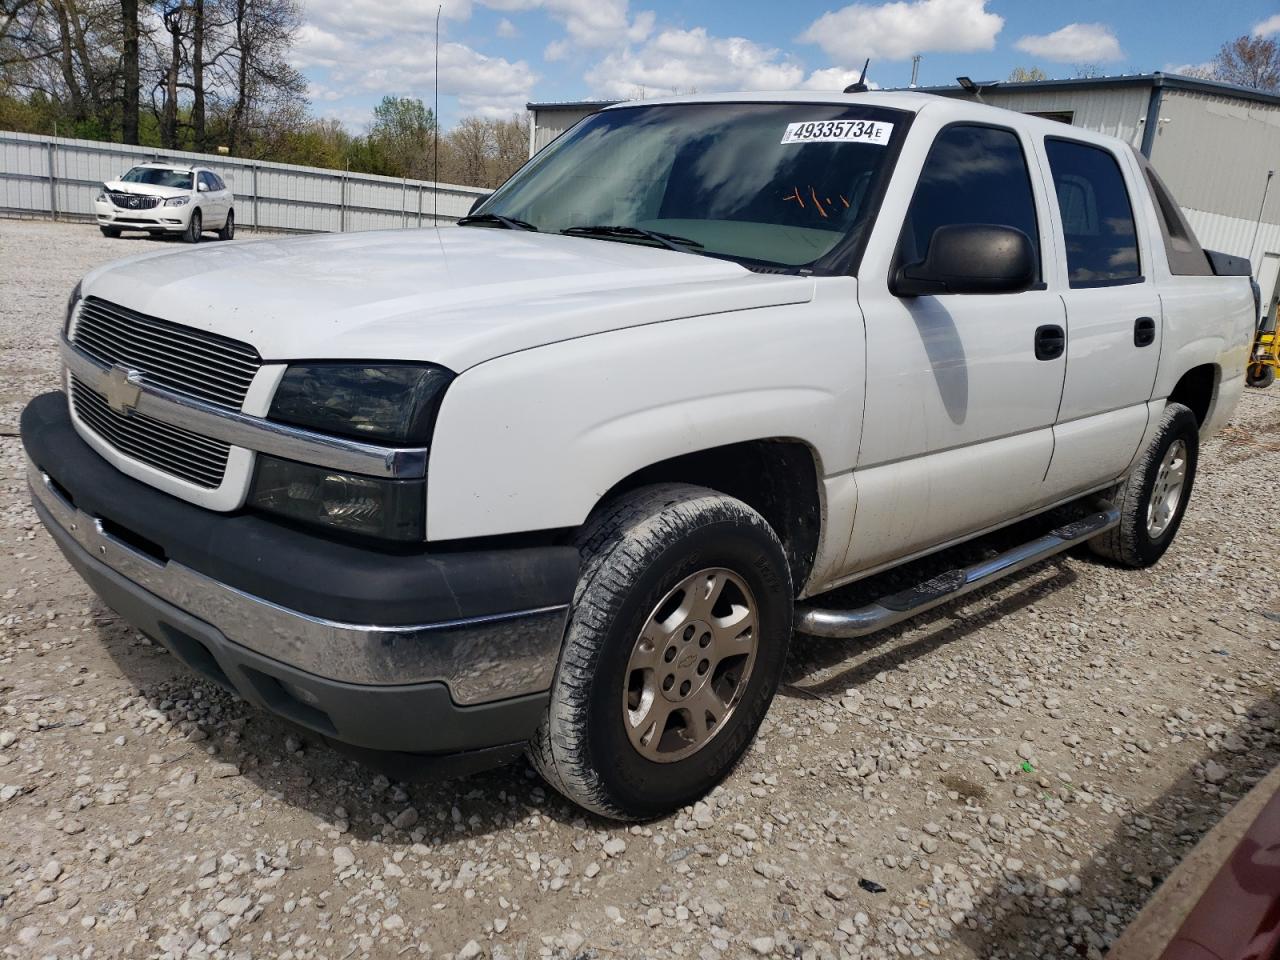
1051, 342
1144, 332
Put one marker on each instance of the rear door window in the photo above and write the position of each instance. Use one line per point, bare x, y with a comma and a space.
1097, 217
973, 175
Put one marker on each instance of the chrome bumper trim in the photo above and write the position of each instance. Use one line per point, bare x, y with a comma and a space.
253, 433
480, 659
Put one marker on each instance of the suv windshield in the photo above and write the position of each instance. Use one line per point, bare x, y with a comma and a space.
159, 177
777, 184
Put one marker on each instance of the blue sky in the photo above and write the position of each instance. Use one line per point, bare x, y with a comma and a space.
497, 54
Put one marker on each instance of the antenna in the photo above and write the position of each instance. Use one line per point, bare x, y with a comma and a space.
915, 68
435, 129
861, 85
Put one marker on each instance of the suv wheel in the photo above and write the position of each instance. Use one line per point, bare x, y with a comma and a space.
194, 227
674, 650
110, 232
228, 230
1153, 499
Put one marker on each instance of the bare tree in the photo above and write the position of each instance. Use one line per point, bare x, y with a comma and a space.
1250, 62
132, 83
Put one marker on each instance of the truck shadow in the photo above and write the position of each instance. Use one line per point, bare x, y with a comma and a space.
858, 660
1148, 841
351, 799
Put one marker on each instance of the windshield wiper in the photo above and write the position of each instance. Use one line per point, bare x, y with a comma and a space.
509, 223
605, 231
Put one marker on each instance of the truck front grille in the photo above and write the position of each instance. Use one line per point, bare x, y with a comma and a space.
192, 362
181, 453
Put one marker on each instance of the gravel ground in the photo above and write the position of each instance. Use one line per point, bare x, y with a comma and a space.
1009, 776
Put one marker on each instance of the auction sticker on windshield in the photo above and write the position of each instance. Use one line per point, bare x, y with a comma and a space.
838, 131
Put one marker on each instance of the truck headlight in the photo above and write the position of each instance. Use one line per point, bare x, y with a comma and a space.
385, 403
369, 506
177, 201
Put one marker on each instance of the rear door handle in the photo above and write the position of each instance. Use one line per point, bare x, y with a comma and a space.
1144, 332
1051, 342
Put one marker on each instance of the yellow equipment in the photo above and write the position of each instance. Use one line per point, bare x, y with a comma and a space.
1265, 359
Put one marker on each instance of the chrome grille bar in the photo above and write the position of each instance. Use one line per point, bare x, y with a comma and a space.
216, 422
203, 365
176, 451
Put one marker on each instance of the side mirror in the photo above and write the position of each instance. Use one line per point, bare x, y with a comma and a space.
476, 202
970, 258
202, 187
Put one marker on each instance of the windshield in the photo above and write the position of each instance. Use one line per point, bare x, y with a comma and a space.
159, 177
780, 184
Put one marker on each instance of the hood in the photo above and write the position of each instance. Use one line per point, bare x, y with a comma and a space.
144, 189
456, 296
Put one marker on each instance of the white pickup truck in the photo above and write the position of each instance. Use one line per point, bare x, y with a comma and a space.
563, 479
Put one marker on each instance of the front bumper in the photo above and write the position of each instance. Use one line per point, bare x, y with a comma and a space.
161, 218
412, 652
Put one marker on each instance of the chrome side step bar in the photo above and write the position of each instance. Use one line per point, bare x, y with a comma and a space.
887, 611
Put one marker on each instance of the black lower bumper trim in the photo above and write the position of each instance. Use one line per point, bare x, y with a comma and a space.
407, 719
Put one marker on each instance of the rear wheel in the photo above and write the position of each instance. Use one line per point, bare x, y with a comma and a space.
228, 230
194, 228
1153, 498
674, 649
111, 232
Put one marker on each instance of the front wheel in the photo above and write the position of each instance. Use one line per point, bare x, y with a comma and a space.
1153, 498
194, 228
674, 650
111, 233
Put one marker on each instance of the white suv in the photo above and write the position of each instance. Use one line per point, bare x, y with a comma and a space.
164, 198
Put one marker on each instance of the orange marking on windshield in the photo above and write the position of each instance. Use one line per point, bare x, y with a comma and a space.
796, 197
843, 200
814, 193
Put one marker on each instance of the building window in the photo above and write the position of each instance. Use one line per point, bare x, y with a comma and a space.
1062, 116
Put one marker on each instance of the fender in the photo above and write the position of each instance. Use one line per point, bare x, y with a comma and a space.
532, 440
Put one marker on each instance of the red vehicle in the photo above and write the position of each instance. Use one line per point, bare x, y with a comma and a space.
1223, 901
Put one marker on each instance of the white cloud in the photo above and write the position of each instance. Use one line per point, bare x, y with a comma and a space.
507, 30
1268, 26
897, 31
685, 61
835, 78
588, 23
1074, 43
1204, 70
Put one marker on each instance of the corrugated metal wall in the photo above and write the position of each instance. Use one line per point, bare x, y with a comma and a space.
549, 123
48, 176
1215, 152
1118, 111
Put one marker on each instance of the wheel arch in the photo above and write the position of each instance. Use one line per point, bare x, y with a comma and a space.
1197, 390
779, 478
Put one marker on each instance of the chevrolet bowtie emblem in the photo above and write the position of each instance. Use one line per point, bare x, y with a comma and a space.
122, 389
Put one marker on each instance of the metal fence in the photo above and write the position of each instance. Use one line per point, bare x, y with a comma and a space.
58, 177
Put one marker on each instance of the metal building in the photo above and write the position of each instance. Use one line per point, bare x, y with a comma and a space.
1216, 145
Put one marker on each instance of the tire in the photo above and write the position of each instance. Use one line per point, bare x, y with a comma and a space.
194, 227
111, 233
1145, 534
228, 231
1263, 378
635, 552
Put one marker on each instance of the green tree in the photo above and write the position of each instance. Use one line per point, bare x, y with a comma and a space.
401, 137
1027, 75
